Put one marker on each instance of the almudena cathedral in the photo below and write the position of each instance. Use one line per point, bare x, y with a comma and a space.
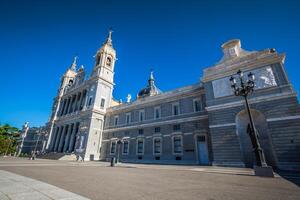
202, 123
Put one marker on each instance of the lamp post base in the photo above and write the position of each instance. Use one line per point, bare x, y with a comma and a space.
266, 171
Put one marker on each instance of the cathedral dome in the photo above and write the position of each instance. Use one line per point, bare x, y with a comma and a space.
150, 89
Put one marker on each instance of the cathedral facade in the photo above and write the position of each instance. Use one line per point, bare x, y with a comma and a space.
203, 123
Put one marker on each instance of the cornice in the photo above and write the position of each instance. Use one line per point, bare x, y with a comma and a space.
181, 120
190, 90
251, 61
252, 100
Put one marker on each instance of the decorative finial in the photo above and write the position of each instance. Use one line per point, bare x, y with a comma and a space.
109, 37
151, 74
73, 67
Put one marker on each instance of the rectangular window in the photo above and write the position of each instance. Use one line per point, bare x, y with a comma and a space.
175, 108
141, 131
157, 112
90, 101
102, 103
177, 144
157, 129
157, 145
125, 147
197, 105
140, 146
141, 115
116, 120
113, 147
176, 127
128, 118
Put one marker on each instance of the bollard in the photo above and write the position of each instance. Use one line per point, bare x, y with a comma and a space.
112, 162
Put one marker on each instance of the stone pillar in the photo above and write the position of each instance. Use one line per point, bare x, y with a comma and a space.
53, 140
73, 98
58, 138
67, 141
82, 101
61, 110
77, 105
72, 138
67, 106
62, 138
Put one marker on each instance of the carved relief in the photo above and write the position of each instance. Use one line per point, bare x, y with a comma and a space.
264, 78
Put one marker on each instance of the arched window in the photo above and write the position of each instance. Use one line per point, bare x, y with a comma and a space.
108, 61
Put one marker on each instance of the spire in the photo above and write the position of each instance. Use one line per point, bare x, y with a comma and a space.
150, 89
151, 79
73, 66
109, 38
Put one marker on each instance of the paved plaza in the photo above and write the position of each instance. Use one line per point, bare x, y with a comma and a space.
96, 180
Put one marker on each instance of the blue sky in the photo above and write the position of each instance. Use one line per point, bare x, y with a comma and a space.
178, 39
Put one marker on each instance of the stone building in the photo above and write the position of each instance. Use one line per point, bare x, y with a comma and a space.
202, 123
31, 139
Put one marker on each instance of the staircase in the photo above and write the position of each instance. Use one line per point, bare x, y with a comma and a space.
58, 156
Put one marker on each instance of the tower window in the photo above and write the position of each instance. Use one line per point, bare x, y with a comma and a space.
108, 61
90, 101
102, 103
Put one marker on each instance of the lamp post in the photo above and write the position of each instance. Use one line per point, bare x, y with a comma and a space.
38, 139
119, 147
245, 88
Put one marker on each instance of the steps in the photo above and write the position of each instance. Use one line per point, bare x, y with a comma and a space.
58, 156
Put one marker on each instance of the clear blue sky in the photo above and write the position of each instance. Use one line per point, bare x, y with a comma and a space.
178, 39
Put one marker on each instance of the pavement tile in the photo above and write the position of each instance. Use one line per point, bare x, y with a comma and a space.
3, 196
58, 194
29, 195
15, 188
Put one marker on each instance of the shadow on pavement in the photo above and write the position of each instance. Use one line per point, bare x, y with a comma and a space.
292, 176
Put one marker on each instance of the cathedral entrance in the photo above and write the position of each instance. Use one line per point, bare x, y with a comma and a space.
242, 121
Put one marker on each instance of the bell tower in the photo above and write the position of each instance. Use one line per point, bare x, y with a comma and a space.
100, 96
105, 60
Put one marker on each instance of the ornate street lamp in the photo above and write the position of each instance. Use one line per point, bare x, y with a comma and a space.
244, 89
119, 142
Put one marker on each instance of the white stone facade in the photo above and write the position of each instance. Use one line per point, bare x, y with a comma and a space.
197, 124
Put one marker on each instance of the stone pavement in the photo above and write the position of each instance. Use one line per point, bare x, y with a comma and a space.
96, 180
13, 186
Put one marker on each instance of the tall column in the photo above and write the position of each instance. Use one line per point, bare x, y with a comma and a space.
53, 140
62, 138
58, 138
70, 105
67, 107
73, 136
61, 112
83, 99
67, 141
72, 147
77, 105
